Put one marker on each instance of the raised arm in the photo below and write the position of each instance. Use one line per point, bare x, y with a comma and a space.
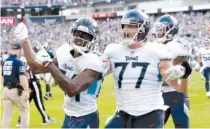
30, 55
21, 33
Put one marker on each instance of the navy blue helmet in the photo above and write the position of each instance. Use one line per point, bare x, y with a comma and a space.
166, 27
85, 34
141, 20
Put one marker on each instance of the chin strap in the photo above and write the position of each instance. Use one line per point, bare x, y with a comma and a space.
77, 48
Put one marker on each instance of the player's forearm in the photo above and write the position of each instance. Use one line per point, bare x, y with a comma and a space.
30, 57
182, 87
180, 59
28, 52
63, 81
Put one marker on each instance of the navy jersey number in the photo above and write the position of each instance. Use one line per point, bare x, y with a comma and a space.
134, 65
206, 58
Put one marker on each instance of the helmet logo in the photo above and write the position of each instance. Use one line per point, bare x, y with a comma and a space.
83, 28
128, 20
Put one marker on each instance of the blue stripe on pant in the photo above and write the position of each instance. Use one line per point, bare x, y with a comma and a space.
206, 74
87, 121
179, 108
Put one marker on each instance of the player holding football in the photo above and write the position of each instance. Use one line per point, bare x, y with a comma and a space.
203, 57
138, 69
77, 69
166, 30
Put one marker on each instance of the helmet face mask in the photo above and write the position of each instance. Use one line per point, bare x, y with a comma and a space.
82, 39
129, 31
135, 27
84, 35
165, 28
206, 43
160, 30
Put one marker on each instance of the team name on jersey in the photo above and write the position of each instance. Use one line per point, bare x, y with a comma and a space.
65, 66
127, 58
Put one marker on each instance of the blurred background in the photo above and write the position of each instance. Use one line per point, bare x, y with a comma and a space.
49, 21
47, 16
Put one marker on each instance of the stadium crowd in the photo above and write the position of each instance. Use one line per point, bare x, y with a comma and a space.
10, 3
193, 25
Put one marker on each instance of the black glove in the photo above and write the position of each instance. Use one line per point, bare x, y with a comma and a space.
188, 69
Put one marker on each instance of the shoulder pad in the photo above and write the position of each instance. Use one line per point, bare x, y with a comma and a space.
179, 47
110, 48
160, 50
97, 62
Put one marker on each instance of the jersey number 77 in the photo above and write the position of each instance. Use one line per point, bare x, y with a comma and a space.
124, 65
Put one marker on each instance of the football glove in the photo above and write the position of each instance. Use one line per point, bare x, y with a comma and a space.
21, 31
188, 69
43, 57
175, 73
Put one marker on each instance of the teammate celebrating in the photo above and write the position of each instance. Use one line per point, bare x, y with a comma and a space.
78, 69
166, 30
138, 69
203, 57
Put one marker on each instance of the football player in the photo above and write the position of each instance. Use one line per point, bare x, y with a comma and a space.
203, 57
139, 68
166, 30
77, 68
47, 76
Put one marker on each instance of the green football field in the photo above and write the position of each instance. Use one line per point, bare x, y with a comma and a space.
199, 112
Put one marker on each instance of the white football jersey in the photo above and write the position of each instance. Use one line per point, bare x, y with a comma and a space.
137, 77
205, 56
178, 48
85, 102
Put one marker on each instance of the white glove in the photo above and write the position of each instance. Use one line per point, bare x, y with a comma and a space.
21, 31
42, 56
175, 73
